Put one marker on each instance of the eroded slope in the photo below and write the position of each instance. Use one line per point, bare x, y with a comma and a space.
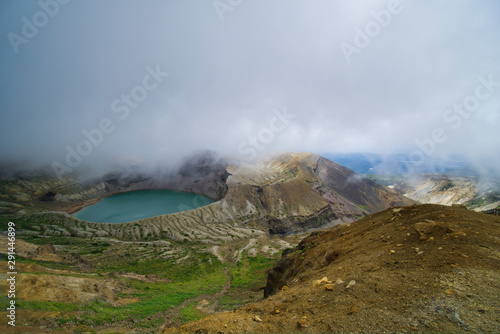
286, 194
425, 268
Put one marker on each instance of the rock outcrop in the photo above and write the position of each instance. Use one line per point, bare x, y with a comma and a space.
423, 268
281, 195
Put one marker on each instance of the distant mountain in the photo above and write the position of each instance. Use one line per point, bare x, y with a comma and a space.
312, 190
370, 163
163, 271
284, 194
476, 193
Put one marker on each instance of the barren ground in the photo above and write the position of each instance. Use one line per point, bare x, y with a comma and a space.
425, 268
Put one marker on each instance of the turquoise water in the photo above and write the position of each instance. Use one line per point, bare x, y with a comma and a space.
135, 205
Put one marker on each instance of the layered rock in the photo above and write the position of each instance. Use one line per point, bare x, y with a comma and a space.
281, 195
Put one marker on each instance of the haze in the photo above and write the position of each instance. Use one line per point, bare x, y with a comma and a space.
160, 79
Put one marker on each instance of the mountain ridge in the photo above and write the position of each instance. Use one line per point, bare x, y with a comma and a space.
288, 193
187, 265
423, 268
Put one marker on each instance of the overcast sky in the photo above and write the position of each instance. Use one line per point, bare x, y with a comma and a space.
159, 79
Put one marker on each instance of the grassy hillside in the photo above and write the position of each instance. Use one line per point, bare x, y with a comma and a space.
125, 285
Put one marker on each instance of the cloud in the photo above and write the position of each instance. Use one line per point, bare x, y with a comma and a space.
226, 77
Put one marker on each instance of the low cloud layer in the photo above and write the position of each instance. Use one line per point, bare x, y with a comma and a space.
98, 83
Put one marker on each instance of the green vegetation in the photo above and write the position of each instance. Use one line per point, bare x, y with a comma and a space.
447, 186
286, 209
190, 313
200, 274
248, 277
250, 272
25, 222
157, 297
46, 264
175, 288
364, 207
54, 306
154, 300
237, 297
197, 267
301, 252
481, 200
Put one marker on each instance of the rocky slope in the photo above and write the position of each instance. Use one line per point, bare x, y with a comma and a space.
287, 194
425, 269
75, 284
163, 271
203, 173
474, 192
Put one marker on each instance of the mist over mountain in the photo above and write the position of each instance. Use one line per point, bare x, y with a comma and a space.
151, 83
296, 141
371, 163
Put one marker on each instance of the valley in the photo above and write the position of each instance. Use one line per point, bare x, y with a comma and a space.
160, 273
233, 166
417, 269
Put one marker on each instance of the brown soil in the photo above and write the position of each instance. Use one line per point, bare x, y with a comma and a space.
426, 268
63, 206
83, 204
